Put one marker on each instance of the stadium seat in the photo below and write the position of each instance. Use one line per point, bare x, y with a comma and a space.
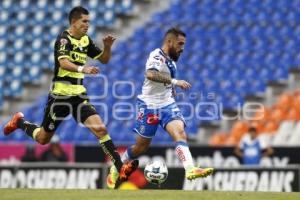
294, 139
233, 49
283, 133
278, 122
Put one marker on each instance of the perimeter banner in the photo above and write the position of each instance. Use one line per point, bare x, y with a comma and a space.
242, 179
92, 176
204, 156
51, 176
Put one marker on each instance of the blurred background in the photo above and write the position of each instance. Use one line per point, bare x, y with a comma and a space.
242, 58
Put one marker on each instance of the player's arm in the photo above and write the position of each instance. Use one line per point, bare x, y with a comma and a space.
69, 66
162, 77
238, 152
106, 53
267, 151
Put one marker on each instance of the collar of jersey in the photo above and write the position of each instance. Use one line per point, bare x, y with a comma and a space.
164, 55
72, 35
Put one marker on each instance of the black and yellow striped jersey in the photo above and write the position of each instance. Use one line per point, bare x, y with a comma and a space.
76, 50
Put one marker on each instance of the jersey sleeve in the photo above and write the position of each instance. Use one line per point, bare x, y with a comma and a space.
64, 47
242, 142
263, 142
154, 62
93, 52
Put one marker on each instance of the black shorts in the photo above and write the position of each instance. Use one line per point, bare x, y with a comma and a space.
59, 107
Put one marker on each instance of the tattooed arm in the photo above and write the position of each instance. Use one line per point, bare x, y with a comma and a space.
162, 77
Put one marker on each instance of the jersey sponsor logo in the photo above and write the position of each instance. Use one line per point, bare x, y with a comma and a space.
78, 57
154, 63
152, 119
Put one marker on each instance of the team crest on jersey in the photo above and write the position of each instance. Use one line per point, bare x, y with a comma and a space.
63, 41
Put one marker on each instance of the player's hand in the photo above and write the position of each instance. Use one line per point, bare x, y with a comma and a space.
108, 41
90, 70
183, 84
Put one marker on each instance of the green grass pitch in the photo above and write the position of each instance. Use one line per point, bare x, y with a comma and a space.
71, 194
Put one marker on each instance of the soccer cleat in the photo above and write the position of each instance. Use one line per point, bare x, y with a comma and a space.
112, 177
197, 172
127, 169
12, 125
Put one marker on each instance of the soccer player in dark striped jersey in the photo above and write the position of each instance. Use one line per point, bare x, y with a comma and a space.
68, 94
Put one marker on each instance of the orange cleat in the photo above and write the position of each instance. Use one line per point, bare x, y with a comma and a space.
127, 169
12, 125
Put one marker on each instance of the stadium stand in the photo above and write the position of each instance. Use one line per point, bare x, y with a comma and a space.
234, 48
28, 31
279, 123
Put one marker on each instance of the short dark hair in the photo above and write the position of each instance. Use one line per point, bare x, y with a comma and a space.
76, 13
175, 31
252, 129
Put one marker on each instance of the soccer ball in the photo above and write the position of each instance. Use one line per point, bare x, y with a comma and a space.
156, 172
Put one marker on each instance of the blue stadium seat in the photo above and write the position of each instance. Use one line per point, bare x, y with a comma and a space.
233, 49
123, 7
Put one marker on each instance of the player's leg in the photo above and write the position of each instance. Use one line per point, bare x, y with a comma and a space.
131, 154
124, 170
87, 114
176, 130
141, 146
173, 122
145, 127
97, 127
41, 134
32, 130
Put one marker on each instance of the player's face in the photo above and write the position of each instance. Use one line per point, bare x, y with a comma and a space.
253, 134
82, 24
176, 48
